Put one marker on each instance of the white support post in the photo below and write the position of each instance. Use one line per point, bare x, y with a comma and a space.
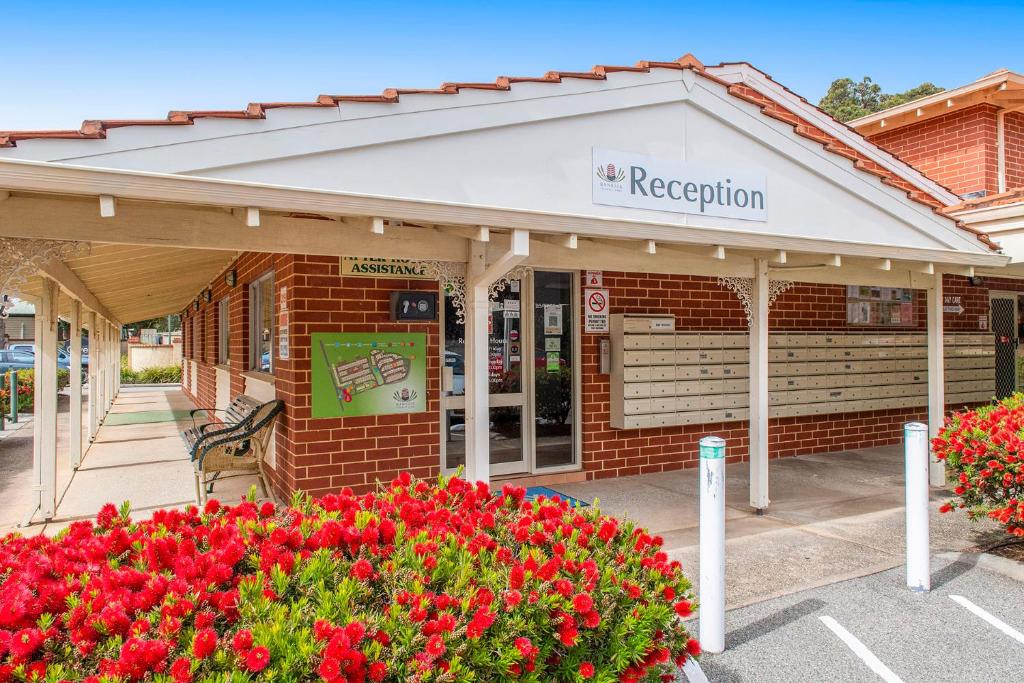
758, 449
101, 371
46, 405
477, 391
75, 386
712, 544
479, 276
94, 375
915, 449
936, 377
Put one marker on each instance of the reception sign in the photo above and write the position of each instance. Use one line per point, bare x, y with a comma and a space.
663, 184
368, 373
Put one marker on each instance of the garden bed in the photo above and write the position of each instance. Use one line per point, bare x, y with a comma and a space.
441, 581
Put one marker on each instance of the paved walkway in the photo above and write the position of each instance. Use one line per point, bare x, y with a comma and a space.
832, 517
138, 456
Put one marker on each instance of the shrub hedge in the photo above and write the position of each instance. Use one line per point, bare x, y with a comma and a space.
983, 450
166, 374
419, 581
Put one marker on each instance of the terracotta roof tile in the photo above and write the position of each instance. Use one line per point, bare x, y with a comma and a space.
1012, 196
768, 106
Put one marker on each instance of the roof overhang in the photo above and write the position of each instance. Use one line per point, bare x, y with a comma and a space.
355, 210
1003, 89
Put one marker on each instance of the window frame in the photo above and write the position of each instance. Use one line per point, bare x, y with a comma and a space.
223, 331
255, 315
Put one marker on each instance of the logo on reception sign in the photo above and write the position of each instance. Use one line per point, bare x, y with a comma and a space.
596, 310
661, 184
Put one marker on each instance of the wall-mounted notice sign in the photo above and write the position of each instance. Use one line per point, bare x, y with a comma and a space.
595, 310
368, 373
283, 335
383, 267
665, 184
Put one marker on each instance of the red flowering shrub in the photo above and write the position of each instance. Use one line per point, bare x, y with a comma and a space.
983, 449
416, 582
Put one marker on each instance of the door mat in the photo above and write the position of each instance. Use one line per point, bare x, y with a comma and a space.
535, 491
145, 416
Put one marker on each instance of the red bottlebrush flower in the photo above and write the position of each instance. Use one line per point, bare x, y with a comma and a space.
945, 507
592, 619
181, 670
693, 647
524, 646
669, 593
377, 671
582, 603
25, 642
257, 659
683, 608
330, 669
355, 631
267, 509
212, 506
435, 646
586, 670
361, 569
242, 640
204, 643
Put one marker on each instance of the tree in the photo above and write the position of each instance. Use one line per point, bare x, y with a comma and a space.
847, 99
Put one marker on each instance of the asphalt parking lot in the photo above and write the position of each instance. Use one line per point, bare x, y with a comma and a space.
969, 628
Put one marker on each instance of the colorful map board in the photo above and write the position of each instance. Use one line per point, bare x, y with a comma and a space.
368, 373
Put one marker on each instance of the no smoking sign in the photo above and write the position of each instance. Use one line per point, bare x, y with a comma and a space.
596, 310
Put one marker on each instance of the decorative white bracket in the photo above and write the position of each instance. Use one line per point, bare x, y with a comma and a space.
21, 258
742, 286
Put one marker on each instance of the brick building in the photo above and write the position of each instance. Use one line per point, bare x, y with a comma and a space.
971, 140
543, 279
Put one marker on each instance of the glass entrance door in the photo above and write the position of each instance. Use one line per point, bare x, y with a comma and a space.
531, 369
508, 399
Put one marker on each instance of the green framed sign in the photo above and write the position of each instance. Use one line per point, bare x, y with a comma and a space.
368, 373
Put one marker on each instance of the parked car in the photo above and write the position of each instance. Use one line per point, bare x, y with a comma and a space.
63, 357
16, 360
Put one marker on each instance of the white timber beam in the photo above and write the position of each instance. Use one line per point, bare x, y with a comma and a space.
108, 206
249, 216
571, 241
936, 378
925, 268
75, 386
780, 256
58, 271
479, 276
479, 234
883, 264
834, 261
718, 253
377, 225
759, 387
966, 271
652, 247
94, 375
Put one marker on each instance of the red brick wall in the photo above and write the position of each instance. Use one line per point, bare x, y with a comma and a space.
957, 150
1013, 145
330, 453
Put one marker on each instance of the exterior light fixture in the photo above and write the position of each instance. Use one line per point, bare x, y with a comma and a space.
231, 278
208, 295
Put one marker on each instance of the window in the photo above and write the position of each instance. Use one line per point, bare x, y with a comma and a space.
223, 331
261, 324
195, 338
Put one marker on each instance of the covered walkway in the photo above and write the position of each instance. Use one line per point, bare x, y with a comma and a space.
137, 456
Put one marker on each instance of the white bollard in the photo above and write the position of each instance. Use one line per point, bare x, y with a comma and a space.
712, 544
915, 448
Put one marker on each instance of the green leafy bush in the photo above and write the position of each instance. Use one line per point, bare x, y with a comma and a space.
166, 374
435, 582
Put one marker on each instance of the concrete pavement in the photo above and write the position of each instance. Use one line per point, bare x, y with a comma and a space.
922, 638
832, 517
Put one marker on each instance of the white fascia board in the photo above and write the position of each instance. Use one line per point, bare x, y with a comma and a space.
743, 73
990, 213
780, 136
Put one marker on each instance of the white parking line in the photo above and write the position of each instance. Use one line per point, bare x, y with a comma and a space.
859, 649
995, 621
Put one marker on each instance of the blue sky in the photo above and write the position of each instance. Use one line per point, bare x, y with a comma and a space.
64, 62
